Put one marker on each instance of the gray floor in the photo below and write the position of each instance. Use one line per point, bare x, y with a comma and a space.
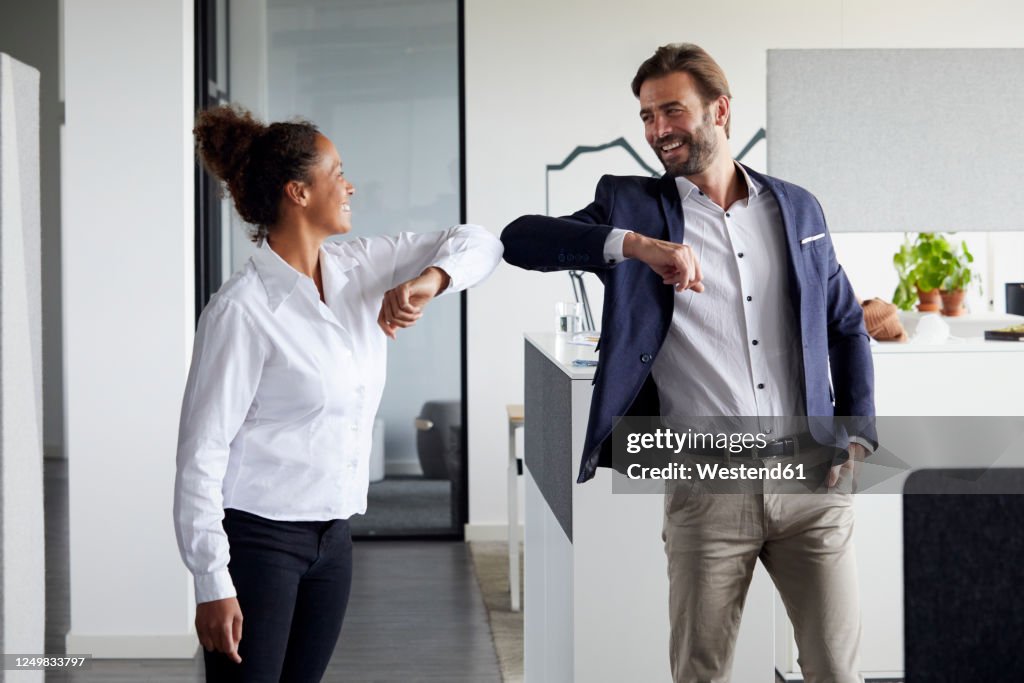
400, 506
416, 614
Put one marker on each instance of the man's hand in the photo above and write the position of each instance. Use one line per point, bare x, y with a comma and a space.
675, 263
846, 473
403, 305
219, 625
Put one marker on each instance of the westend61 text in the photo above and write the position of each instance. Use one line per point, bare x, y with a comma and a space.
709, 471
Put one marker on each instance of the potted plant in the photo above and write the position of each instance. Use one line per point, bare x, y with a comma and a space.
920, 276
932, 270
956, 264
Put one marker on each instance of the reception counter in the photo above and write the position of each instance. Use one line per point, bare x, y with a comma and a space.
596, 589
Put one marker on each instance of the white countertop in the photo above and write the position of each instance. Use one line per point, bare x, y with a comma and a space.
964, 345
967, 334
562, 353
965, 326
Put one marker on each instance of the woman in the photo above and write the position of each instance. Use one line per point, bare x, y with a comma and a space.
286, 377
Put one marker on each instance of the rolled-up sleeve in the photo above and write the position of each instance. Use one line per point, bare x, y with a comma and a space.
227, 363
468, 253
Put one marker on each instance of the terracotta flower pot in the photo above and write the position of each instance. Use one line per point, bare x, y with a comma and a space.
953, 302
929, 301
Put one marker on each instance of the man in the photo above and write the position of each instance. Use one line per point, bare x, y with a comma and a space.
723, 297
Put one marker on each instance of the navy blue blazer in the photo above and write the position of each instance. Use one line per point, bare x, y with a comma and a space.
638, 307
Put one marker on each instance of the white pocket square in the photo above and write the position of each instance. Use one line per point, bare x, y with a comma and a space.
812, 238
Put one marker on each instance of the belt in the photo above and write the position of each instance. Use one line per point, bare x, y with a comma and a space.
788, 446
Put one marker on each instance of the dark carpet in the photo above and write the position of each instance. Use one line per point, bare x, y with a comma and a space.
406, 506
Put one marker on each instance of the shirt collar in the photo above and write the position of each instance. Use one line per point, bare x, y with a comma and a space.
753, 187
280, 279
686, 187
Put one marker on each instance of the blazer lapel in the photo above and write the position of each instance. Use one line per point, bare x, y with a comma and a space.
789, 227
672, 208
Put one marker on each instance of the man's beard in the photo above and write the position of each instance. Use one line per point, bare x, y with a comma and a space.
702, 147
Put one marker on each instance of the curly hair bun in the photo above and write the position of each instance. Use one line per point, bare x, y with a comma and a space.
223, 138
255, 161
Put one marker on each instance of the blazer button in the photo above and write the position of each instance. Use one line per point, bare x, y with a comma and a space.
645, 358
561, 258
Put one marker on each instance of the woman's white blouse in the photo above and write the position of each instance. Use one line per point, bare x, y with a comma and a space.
283, 390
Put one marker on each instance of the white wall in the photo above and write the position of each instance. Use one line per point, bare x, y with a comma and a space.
544, 77
128, 318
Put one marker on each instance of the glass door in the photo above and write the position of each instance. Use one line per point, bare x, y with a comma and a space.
381, 79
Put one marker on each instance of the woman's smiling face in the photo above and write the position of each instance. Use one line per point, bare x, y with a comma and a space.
329, 190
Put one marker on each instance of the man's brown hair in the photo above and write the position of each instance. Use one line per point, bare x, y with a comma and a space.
691, 59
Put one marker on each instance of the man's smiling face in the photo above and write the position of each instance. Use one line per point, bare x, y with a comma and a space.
678, 125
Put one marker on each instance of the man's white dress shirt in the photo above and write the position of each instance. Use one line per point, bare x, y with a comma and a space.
283, 389
734, 349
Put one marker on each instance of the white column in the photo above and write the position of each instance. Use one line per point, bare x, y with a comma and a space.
128, 318
21, 411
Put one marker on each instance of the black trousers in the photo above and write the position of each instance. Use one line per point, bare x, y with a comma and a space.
293, 581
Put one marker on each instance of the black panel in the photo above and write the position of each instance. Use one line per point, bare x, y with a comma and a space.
460, 502
208, 93
963, 548
1015, 298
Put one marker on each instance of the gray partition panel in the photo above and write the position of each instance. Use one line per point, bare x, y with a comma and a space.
547, 439
901, 140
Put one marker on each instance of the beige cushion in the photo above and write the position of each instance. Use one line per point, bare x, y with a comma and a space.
882, 321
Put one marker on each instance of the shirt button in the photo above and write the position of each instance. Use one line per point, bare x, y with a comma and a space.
754, 342
750, 298
645, 358
728, 215
760, 386
740, 254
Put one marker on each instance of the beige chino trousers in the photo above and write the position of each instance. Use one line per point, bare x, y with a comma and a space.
712, 542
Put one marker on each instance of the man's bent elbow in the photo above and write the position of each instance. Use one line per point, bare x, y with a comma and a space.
517, 244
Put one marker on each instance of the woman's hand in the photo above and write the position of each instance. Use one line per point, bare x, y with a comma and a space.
219, 625
403, 305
